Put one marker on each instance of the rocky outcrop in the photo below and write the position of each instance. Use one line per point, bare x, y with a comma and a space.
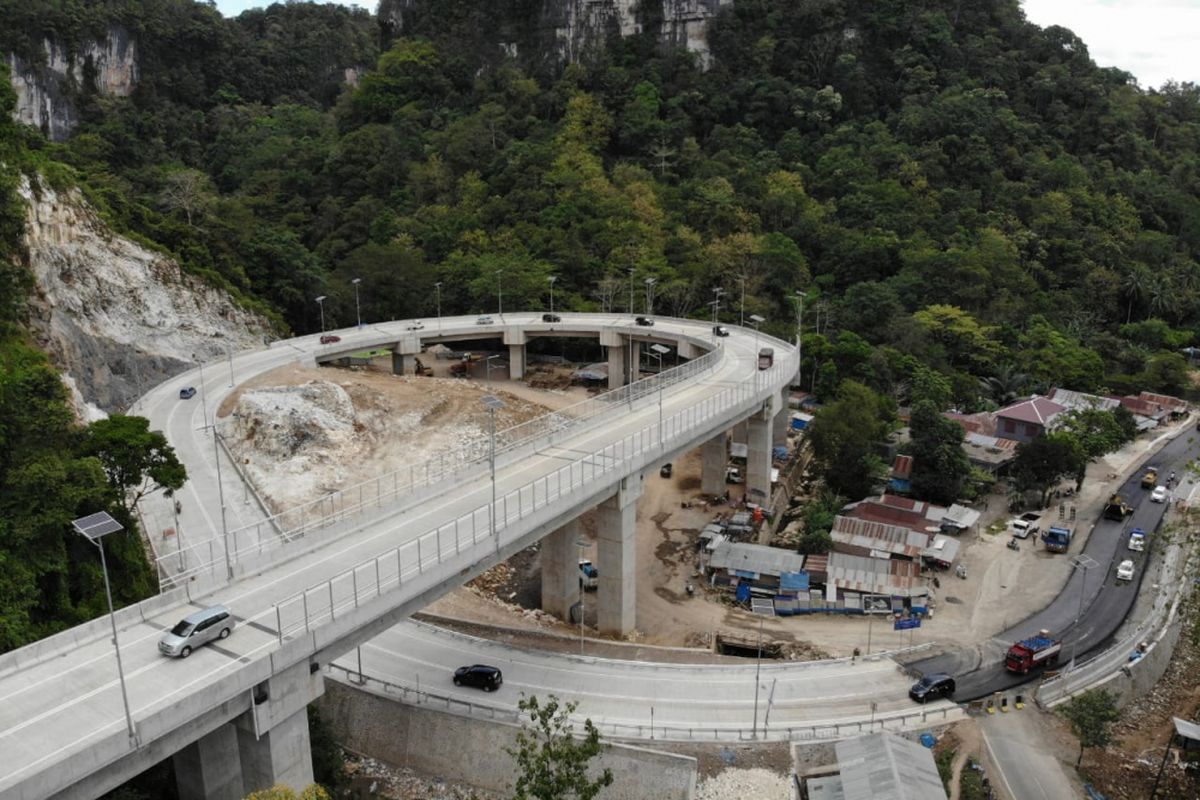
46, 90
116, 317
564, 31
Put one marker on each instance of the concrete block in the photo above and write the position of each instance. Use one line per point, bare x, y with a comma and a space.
282, 755
758, 459
713, 459
616, 559
560, 569
616, 367
397, 363
210, 768
516, 361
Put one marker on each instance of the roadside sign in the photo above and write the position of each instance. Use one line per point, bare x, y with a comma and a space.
905, 624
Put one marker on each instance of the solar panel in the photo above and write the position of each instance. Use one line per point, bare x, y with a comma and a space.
93, 526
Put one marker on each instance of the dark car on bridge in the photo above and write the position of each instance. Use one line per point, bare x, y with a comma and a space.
329, 338
931, 687
645, 322
187, 393
479, 676
551, 318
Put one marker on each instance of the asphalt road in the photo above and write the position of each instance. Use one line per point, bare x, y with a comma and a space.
1104, 602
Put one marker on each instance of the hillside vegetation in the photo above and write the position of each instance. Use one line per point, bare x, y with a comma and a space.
974, 209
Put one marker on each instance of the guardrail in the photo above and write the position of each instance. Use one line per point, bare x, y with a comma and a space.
1174, 582
276, 530
575, 481
817, 731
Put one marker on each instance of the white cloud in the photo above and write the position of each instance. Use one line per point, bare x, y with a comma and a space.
1155, 40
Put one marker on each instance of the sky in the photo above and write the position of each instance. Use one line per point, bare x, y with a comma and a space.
1154, 40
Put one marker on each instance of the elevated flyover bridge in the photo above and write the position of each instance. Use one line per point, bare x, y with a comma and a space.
305, 592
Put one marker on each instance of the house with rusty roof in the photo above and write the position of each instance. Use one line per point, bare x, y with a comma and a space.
1028, 419
1082, 401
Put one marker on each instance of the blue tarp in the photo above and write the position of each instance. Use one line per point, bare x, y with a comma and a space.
779, 453
794, 581
743, 593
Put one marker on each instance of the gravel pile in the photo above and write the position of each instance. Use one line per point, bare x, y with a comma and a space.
739, 784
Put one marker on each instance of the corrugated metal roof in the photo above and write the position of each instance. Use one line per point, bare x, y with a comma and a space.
1188, 730
883, 766
872, 535
827, 787
1082, 401
942, 548
1166, 401
961, 516
755, 558
875, 575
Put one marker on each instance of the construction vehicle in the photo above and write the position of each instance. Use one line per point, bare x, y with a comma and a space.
422, 370
1150, 478
1116, 509
1036, 651
589, 577
1057, 539
462, 369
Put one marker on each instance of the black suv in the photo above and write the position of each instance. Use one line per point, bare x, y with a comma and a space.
479, 676
645, 322
551, 318
932, 686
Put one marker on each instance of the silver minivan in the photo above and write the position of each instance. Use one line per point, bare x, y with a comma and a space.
215, 622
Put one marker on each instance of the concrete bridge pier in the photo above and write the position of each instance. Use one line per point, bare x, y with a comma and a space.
616, 558
397, 363
560, 570
265, 746
616, 367
780, 422
758, 457
712, 470
516, 361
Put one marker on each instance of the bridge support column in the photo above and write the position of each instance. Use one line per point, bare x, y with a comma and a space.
758, 459
738, 432
272, 736
560, 570
282, 755
616, 559
397, 363
616, 367
210, 767
712, 470
516, 361
780, 422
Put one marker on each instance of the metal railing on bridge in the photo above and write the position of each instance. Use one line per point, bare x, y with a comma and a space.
340, 506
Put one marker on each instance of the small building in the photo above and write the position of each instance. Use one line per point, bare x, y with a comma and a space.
767, 570
876, 766
801, 420
1174, 406
1028, 419
865, 537
1082, 401
989, 453
871, 575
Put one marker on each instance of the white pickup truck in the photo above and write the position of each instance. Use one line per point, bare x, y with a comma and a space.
1026, 525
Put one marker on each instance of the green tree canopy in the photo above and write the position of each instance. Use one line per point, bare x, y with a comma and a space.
552, 763
940, 466
845, 435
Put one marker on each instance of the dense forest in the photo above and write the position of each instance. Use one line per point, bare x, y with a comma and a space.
973, 208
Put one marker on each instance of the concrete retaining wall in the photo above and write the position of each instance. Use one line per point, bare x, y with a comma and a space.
471, 750
1138, 677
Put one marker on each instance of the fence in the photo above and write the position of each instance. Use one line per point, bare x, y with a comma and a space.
276, 530
816, 731
576, 481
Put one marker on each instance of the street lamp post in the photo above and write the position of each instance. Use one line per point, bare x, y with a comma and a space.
321, 305
94, 527
221, 496
742, 314
437, 288
582, 544
552, 279
658, 351
499, 293
756, 320
357, 307
229, 355
799, 299
631, 271
650, 296
203, 394
757, 672
1080, 562
487, 364
493, 403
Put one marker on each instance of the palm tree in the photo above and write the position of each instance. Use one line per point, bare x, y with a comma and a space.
1135, 284
1007, 384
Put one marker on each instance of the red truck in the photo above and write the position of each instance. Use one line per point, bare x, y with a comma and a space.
1036, 651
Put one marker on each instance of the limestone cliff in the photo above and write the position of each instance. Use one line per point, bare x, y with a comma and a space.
116, 317
550, 33
45, 90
